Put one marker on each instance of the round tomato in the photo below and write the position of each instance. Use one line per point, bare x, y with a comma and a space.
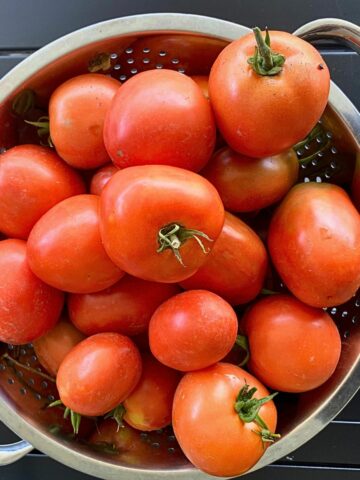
236, 266
98, 374
306, 341
32, 180
203, 82
149, 405
356, 184
208, 427
52, 347
101, 178
65, 250
192, 330
125, 307
266, 107
160, 117
246, 184
77, 110
314, 242
28, 307
155, 222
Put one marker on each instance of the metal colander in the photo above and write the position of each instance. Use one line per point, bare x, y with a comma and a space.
189, 44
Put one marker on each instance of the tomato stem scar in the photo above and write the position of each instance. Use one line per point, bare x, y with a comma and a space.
265, 61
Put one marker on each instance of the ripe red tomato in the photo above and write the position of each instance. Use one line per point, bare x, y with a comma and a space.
356, 184
306, 341
192, 330
203, 82
314, 242
77, 110
149, 405
98, 374
160, 117
32, 180
28, 307
236, 266
246, 184
152, 218
101, 178
209, 429
65, 250
263, 114
52, 347
125, 307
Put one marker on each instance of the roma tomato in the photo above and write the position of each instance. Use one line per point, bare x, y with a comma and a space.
32, 180
160, 117
65, 250
306, 341
52, 347
149, 405
355, 188
126, 307
246, 184
101, 178
192, 330
211, 429
98, 374
314, 242
265, 107
236, 266
203, 82
153, 217
28, 307
77, 110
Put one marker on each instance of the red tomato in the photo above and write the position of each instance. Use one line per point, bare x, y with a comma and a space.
246, 184
52, 347
65, 250
77, 110
203, 82
192, 330
314, 242
28, 307
262, 114
101, 178
149, 405
356, 184
160, 117
152, 216
207, 426
32, 180
125, 307
236, 266
98, 374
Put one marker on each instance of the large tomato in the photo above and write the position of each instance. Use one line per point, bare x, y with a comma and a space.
65, 249
266, 107
236, 266
160, 117
209, 429
101, 178
77, 110
306, 341
28, 307
153, 217
32, 180
314, 242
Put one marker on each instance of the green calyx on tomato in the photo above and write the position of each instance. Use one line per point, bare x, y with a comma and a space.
23, 102
43, 130
242, 342
75, 418
117, 414
265, 61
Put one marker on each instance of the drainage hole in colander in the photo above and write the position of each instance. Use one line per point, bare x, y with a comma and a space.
129, 50
146, 60
354, 319
122, 78
31, 381
159, 66
171, 450
44, 384
113, 56
146, 50
130, 61
346, 334
133, 71
23, 391
162, 54
155, 444
175, 61
117, 67
11, 381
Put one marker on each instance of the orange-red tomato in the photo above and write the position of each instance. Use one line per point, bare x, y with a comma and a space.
203, 82
101, 178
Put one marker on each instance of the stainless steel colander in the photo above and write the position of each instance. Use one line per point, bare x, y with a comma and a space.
189, 44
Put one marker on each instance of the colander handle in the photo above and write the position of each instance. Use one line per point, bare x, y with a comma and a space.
14, 451
331, 29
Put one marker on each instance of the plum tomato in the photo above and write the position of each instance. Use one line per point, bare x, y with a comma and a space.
101, 178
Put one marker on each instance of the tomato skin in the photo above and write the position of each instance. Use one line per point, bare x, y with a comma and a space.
65, 250
287, 105
207, 427
28, 307
32, 180
236, 266
101, 178
177, 124
131, 238
203, 82
99, 373
314, 243
355, 187
77, 110
125, 307
52, 347
192, 330
149, 405
246, 184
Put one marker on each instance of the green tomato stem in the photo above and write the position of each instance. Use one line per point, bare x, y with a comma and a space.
264, 61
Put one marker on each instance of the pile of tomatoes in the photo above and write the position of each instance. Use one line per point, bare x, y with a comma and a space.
126, 246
